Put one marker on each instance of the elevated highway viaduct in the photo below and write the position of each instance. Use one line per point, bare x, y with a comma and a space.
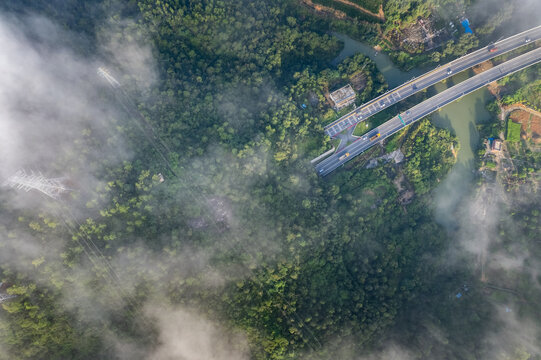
425, 108
430, 78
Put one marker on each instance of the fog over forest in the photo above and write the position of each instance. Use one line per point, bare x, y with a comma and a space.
193, 226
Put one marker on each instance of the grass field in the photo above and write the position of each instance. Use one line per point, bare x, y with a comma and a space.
513, 131
361, 128
392, 142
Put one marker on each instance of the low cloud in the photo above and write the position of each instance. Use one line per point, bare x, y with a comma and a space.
186, 335
53, 118
130, 52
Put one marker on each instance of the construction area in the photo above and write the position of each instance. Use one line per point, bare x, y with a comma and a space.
342, 97
422, 35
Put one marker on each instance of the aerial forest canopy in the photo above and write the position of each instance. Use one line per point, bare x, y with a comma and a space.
193, 224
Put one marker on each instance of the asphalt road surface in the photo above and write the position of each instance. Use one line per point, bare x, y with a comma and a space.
430, 78
426, 107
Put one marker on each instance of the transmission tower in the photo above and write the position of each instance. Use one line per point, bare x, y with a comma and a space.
104, 73
5, 296
36, 181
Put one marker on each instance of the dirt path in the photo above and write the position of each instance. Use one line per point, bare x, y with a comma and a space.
493, 87
510, 108
324, 9
339, 14
380, 15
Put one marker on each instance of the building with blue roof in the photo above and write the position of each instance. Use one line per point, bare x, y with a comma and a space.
466, 23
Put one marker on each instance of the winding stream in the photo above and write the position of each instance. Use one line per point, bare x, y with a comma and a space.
392, 74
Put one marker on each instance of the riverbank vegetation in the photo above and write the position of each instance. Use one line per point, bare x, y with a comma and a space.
429, 154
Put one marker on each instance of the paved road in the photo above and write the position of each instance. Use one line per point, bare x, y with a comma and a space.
346, 137
430, 78
426, 107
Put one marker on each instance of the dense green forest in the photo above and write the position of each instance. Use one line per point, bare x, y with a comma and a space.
195, 195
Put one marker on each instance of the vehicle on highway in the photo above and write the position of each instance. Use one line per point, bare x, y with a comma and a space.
449, 71
414, 87
382, 104
492, 48
343, 156
527, 40
408, 112
375, 137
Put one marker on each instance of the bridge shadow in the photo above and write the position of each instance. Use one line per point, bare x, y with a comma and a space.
441, 86
444, 122
474, 138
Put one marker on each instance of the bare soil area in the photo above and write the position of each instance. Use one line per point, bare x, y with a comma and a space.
324, 10
379, 15
522, 118
535, 126
530, 124
493, 87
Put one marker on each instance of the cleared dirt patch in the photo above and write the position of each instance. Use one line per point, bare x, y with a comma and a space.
493, 87
324, 10
522, 118
484, 66
535, 126
344, 8
530, 124
380, 14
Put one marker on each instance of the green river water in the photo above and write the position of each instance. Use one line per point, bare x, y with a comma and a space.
459, 117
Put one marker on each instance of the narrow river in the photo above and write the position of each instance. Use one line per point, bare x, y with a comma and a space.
459, 117
392, 74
